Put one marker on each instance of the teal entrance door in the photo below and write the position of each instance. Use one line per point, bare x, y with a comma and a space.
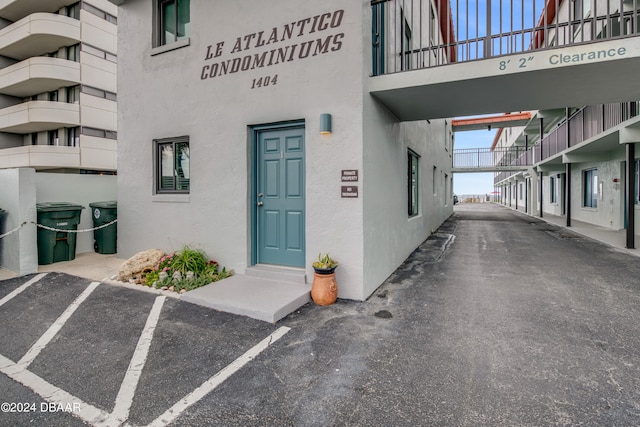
280, 197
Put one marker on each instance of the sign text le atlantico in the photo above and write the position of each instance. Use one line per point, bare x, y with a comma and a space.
303, 38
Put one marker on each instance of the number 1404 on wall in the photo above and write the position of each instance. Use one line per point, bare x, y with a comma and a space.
265, 81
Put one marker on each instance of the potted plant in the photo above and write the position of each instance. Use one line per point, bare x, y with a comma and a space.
325, 264
324, 289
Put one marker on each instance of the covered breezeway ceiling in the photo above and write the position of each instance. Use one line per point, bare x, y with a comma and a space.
573, 76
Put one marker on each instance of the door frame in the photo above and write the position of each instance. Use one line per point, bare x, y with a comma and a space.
254, 131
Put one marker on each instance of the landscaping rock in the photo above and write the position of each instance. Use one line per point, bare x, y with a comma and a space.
142, 262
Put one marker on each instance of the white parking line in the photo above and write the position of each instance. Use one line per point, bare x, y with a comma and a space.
124, 400
55, 328
22, 287
208, 386
56, 395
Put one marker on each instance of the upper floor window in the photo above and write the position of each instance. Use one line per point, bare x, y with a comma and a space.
99, 13
73, 94
73, 11
99, 53
73, 53
73, 136
173, 22
52, 137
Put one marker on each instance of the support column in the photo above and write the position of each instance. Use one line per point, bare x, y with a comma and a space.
526, 195
488, 42
541, 139
531, 161
630, 195
540, 191
516, 194
567, 193
541, 157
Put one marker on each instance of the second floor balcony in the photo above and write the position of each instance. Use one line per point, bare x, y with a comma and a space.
14, 10
89, 153
461, 58
38, 34
38, 75
38, 116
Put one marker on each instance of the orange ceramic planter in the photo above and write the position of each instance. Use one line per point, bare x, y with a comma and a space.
324, 289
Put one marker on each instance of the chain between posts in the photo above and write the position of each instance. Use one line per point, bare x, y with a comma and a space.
57, 229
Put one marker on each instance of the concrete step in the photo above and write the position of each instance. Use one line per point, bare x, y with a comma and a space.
274, 272
263, 299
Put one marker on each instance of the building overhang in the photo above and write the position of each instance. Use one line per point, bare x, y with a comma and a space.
38, 116
13, 10
38, 34
548, 79
491, 122
39, 74
40, 157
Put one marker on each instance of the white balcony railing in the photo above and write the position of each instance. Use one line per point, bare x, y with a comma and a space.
40, 157
38, 116
14, 10
39, 74
38, 34
92, 153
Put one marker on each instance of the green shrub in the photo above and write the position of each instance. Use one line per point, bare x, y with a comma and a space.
189, 259
194, 268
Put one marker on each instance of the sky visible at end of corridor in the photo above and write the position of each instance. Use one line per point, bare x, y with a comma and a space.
473, 183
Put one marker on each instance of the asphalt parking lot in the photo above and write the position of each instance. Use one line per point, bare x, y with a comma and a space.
113, 354
499, 319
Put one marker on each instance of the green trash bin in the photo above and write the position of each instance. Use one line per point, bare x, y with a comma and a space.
58, 245
106, 237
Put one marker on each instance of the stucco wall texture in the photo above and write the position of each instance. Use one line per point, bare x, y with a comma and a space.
186, 92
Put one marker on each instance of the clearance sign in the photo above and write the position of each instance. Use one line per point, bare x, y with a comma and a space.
308, 37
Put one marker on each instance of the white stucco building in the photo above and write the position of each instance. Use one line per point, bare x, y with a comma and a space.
58, 135
58, 85
583, 160
247, 129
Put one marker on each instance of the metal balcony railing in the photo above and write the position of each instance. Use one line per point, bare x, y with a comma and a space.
491, 160
415, 34
584, 124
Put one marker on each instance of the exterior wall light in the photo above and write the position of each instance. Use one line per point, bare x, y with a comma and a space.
325, 124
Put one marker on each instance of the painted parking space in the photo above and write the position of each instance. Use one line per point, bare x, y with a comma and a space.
113, 356
27, 311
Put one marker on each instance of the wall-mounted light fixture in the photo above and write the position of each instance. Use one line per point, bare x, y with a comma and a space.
325, 124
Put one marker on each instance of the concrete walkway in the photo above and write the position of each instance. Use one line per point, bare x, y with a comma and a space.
267, 295
611, 237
